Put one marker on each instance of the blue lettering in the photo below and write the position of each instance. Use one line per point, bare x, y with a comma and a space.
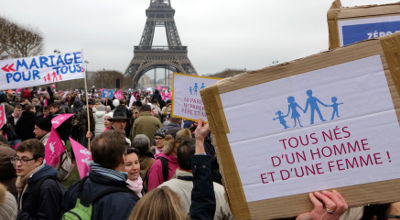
21, 63
52, 59
78, 68
33, 63
36, 74
43, 61
56, 68
60, 60
64, 69
68, 60
29, 75
70, 68
8, 76
78, 57
17, 76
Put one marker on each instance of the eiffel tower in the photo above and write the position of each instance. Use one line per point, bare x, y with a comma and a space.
147, 56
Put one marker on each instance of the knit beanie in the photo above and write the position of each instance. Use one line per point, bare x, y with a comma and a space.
44, 124
8, 205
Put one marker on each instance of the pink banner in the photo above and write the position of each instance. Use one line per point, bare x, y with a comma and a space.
58, 120
119, 95
17, 91
53, 149
3, 118
83, 157
159, 88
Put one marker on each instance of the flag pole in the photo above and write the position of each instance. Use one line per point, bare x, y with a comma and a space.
87, 104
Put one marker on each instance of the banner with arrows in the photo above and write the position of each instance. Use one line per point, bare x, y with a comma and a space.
40, 70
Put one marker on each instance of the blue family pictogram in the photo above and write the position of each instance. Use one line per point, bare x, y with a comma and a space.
313, 105
194, 90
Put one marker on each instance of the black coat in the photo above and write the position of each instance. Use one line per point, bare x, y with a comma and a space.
48, 205
116, 205
26, 125
203, 197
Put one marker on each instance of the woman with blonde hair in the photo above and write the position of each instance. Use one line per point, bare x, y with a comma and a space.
166, 162
164, 200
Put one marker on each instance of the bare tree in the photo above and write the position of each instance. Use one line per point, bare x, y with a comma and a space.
16, 41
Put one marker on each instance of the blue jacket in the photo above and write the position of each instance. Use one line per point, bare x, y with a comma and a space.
48, 205
116, 205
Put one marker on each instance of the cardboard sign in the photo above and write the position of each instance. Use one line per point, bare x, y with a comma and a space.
40, 70
355, 24
329, 121
3, 118
186, 99
83, 158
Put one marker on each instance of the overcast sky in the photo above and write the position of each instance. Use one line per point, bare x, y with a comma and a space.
219, 34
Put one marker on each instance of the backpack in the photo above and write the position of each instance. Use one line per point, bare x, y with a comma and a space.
83, 212
164, 165
36, 189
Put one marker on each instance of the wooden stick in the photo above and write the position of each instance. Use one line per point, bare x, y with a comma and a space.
87, 106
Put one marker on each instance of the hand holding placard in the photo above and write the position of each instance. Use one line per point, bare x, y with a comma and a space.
327, 206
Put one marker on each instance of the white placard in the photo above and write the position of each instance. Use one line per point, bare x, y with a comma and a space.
187, 103
356, 144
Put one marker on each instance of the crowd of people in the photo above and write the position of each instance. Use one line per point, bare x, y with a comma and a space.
146, 163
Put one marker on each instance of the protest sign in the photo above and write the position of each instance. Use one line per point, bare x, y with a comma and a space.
119, 95
328, 121
351, 25
59, 119
111, 94
83, 158
53, 149
103, 93
40, 70
132, 100
186, 99
3, 118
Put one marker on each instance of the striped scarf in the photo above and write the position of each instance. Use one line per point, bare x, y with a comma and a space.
120, 176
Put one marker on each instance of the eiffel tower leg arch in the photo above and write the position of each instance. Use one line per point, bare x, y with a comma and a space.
146, 68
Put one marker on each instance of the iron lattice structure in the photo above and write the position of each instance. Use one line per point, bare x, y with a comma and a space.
146, 56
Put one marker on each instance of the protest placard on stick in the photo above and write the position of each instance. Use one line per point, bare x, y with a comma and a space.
186, 100
354, 24
41, 70
328, 121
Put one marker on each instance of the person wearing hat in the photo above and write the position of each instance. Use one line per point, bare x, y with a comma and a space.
119, 120
42, 129
159, 138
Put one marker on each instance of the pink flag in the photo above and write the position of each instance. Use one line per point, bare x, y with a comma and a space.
45, 102
15, 147
53, 149
59, 119
119, 95
83, 157
3, 118
170, 95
